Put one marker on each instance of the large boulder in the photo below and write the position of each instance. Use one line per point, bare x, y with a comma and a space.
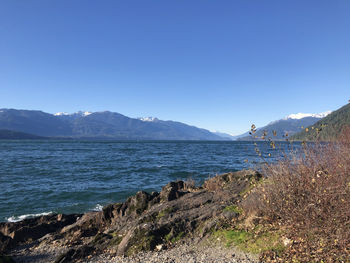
172, 191
5, 243
32, 229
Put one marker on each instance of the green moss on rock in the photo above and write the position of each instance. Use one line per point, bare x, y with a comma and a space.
254, 241
165, 212
233, 208
142, 240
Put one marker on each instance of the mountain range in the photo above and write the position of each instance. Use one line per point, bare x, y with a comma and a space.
284, 128
328, 128
226, 136
32, 124
13, 135
102, 125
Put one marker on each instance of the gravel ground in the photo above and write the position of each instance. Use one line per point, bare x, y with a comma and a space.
184, 253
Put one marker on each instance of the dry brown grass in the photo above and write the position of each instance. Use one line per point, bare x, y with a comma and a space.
190, 184
213, 183
308, 193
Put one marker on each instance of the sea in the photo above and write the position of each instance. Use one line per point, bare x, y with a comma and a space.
40, 177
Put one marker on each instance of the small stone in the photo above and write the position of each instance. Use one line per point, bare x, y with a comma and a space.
160, 247
287, 241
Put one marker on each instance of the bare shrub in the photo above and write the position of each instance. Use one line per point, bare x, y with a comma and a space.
190, 183
213, 183
308, 194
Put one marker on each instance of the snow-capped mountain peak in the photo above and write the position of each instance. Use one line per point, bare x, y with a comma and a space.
150, 119
61, 114
81, 113
299, 116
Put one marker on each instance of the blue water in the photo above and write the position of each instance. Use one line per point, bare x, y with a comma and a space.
77, 176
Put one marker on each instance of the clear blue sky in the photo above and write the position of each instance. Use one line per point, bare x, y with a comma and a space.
220, 65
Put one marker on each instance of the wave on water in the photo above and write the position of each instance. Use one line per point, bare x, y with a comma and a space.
97, 208
22, 217
78, 177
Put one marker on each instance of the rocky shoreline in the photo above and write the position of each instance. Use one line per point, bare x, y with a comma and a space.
174, 225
